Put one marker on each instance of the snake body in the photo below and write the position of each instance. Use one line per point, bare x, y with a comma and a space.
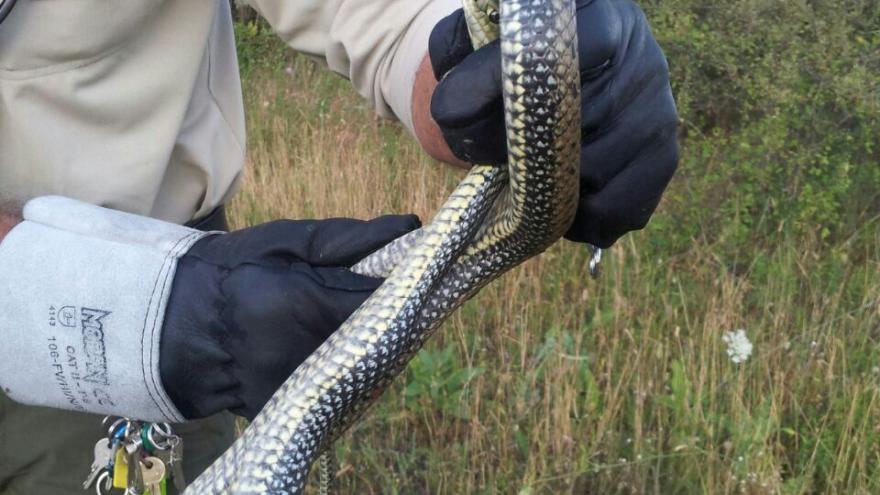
496, 218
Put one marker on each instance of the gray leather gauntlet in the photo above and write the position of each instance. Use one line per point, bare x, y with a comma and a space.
83, 291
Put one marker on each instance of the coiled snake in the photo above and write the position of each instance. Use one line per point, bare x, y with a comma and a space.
496, 218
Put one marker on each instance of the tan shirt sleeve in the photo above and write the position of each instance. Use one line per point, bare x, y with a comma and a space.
132, 105
377, 44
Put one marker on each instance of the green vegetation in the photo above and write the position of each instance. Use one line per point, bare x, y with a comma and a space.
548, 382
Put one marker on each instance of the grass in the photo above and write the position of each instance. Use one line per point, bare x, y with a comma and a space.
548, 382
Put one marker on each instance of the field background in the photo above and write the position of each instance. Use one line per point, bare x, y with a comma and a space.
549, 382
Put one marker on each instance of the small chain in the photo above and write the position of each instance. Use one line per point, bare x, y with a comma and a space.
325, 467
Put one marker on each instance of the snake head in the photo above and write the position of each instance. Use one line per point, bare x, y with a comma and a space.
483, 18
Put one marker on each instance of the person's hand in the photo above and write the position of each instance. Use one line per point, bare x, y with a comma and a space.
628, 129
248, 307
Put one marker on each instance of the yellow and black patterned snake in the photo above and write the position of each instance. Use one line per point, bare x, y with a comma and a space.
496, 218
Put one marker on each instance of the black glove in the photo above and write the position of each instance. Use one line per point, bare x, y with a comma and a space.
248, 307
628, 128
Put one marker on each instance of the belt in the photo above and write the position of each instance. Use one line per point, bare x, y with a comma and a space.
216, 220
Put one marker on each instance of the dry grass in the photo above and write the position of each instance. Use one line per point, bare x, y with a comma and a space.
548, 382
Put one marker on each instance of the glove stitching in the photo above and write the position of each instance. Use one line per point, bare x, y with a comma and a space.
170, 257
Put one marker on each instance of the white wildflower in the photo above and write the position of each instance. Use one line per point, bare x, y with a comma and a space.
739, 348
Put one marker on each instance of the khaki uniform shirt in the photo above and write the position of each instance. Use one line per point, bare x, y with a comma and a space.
137, 105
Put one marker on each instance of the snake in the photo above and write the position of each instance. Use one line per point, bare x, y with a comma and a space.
496, 218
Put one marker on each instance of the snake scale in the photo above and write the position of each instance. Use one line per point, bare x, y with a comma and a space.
496, 218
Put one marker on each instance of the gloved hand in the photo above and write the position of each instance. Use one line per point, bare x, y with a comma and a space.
628, 128
248, 307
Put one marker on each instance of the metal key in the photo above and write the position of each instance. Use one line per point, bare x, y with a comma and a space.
153, 472
174, 472
104, 454
135, 482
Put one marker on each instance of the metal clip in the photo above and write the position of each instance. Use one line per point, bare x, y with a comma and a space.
595, 260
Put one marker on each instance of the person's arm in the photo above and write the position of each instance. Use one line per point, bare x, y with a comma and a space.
10, 216
425, 128
379, 44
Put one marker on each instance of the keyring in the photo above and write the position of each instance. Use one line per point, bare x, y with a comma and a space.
111, 432
108, 483
164, 429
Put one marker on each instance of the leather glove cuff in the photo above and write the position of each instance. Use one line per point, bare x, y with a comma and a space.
83, 292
